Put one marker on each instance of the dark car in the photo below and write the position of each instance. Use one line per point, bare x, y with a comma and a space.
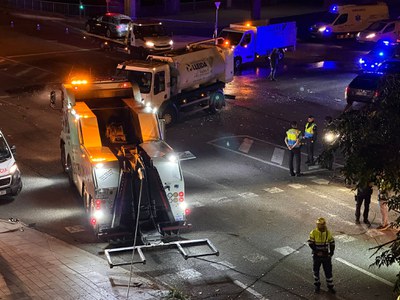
367, 87
109, 24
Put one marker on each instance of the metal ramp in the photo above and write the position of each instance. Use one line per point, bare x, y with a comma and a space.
181, 245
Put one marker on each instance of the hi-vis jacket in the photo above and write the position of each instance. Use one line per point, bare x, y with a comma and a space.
321, 242
292, 136
309, 130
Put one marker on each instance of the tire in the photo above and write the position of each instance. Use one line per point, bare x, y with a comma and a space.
281, 54
108, 33
69, 171
237, 64
217, 101
62, 158
169, 115
88, 28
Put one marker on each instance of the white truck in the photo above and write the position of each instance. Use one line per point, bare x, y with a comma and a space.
345, 21
142, 38
254, 39
184, 80
113, 152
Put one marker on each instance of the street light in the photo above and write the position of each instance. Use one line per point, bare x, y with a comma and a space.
217, 4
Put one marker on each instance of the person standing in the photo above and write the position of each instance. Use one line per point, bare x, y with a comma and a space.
383, 198
322, 244
273, 63
310, 136
293, 143
364, 193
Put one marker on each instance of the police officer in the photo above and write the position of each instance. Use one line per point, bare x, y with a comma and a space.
273, 63
310, 136
322, 244
293, 143
364, 192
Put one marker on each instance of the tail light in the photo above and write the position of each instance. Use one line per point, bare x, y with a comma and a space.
118, 27
93, 221
98, 204
375, 96
346, 91
181, 197
187, 211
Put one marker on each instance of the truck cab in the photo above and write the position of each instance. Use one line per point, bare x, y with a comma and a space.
10, 176
345, 21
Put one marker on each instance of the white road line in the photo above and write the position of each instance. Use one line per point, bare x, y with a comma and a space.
49, 53
250, 290
24, 71
365, 272
246, 145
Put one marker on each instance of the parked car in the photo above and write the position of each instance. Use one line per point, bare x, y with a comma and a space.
385, 30
109, 24
381, 52
367, 87
10, 176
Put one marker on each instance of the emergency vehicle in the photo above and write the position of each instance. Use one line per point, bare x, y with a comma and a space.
345, 21
10, 176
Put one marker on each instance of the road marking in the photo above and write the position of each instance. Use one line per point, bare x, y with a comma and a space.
278, 155
320, 181
255, 257
249, 289
344, 238
223, 265
186, 155
24, 71
297, 186
365, 272
196, 204
75, 229
48, 53
247, 195
273, 190
246, 145
286, 250
189, 274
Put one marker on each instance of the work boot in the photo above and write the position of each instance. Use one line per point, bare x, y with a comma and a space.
367, 222
358, 222
317, 289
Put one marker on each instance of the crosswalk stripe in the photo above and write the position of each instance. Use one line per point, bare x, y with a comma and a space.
246, 145
27, 70
297, 186
273, 190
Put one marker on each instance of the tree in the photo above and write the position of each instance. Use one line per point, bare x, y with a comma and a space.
369, 140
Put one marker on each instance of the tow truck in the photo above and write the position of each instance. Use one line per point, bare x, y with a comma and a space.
129, 179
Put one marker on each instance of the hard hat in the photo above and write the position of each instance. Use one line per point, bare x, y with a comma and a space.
321, 221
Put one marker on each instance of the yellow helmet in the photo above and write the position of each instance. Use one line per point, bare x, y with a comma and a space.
321, 221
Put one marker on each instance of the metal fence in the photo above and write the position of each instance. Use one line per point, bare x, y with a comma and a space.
68, 9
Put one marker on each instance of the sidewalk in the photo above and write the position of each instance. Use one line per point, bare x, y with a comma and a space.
35, 265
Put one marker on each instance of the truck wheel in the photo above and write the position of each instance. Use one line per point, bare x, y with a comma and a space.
69, 171
108, 33
88, 28
217, 101
63, 162
281, 54
169, 115
237, 64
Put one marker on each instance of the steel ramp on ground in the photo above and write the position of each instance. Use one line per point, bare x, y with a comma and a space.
182, 246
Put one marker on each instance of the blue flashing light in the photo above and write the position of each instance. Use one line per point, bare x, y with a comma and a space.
386, 43
361, 61
328, 30
381, 53
372, 66
334, 8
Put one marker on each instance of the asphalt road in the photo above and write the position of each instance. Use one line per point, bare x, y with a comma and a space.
238, 185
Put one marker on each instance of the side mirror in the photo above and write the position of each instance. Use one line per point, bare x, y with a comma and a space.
13, 150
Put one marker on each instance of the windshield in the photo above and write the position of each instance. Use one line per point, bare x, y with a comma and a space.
4, 150
150, 30
377, 26
329, 17
233, 37
124, 21
392, 67
142, 79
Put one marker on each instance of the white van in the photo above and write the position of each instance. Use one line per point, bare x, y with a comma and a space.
385, 30
10, 176
345, 21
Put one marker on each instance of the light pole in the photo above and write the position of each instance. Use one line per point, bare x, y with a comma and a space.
217, 4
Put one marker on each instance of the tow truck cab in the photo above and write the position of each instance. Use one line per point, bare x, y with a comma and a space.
10, 176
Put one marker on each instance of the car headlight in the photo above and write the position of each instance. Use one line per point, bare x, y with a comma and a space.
358, 34
322, 29
13, 168
370, 36
171, 42
150, 44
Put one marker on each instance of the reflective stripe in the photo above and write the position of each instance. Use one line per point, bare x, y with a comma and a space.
309, 130
292, 136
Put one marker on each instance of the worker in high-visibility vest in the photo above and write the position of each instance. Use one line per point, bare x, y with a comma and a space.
310, 137
322, 243
293, 143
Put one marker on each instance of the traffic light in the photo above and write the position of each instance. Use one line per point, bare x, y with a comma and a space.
81, 5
